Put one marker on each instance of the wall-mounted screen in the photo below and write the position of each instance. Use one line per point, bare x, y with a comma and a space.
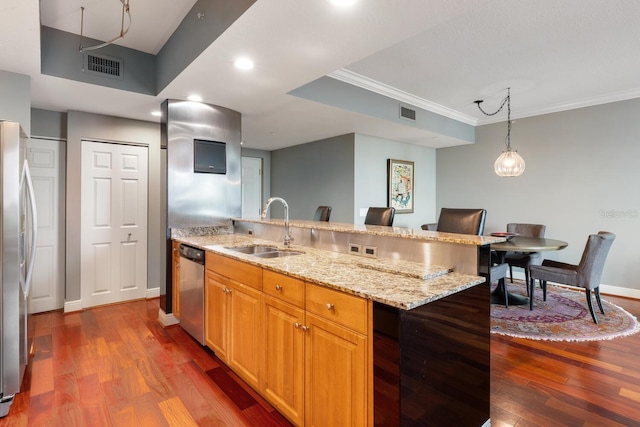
209, 156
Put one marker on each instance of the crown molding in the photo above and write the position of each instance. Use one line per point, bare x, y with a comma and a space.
363, 82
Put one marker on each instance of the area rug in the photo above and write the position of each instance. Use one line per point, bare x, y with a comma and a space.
563, 317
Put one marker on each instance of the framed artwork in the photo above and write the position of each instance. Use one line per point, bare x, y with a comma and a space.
400, 185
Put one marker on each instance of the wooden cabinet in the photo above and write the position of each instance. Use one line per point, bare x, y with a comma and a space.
233, 317
216, 314
338, 359
175, 280
245, 335
304, 347
283, 381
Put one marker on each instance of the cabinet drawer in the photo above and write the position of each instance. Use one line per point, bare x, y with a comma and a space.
283, 287
247, 274
339, 307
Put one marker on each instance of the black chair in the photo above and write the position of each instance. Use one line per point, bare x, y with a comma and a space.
468, 221
461, 221
524, 259
322, 213
585, 275
380, 216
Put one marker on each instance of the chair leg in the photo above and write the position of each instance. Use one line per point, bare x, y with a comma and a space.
543, 285
597, 292
526, 278
590, 304
511, 273
530, 291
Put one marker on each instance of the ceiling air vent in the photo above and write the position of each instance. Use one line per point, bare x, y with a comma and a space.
407, 113
102, 65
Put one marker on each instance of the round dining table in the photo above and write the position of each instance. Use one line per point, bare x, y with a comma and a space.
500, 294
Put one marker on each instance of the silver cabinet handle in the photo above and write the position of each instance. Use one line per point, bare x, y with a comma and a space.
278, 288
330, 306
305, 328
297, 325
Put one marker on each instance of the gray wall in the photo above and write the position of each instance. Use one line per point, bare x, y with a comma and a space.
314, 174
349, 173
581, 177
15, 99
82, 126
371, 155
48, 124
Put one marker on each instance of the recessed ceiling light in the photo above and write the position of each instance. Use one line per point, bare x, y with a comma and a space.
343, 3
195, 98
156, 113
243, 63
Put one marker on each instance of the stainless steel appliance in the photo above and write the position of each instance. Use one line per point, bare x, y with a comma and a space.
17, 254
192, 291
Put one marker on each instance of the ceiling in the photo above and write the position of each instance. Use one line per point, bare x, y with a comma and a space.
438, 55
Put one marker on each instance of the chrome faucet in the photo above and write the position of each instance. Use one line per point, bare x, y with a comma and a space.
287, 235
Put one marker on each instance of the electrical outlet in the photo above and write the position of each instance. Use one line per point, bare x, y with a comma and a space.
355, 249
370, 251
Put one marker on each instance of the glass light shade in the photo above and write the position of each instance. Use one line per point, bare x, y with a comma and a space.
509, 163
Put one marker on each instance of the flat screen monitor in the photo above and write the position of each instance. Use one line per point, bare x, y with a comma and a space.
209, 156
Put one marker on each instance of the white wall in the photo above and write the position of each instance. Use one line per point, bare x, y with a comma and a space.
370, 189
581, 176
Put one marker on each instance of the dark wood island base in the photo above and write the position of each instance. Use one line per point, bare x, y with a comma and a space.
435, 371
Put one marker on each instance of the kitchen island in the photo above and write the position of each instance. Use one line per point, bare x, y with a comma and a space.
423, 334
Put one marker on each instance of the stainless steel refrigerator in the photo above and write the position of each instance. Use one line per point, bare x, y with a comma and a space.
17, 254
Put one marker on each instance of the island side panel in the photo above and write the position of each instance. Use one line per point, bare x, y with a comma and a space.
445, 360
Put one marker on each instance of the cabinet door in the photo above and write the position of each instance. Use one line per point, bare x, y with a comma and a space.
175, 281
217, 296
283, 379
245, 338
336, 375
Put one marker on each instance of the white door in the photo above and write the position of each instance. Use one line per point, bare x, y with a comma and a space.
46, 162
114, 223
251, 187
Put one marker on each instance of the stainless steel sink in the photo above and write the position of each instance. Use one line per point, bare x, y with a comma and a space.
253, 249
277, 254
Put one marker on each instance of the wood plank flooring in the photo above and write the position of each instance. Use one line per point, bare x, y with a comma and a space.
117, 366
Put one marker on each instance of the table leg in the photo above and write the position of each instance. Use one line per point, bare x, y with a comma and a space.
500, 294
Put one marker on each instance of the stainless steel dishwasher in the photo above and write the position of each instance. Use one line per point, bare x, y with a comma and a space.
192, 291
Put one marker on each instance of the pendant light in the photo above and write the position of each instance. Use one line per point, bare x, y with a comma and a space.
509, 163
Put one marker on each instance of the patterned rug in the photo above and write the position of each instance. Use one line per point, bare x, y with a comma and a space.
563, 317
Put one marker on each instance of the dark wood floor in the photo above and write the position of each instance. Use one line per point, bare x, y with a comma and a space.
117, 366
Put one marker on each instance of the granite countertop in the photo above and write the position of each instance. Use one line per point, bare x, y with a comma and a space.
397, 283
405, 233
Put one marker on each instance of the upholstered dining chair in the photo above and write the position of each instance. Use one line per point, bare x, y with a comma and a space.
380, 216
524, 259
468, 221
585, 275
322, 213
462, 221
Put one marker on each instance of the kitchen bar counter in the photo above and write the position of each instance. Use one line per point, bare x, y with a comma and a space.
396, 283
400, 232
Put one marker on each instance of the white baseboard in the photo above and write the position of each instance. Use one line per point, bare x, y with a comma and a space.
71, 306
167, 319
604, 289
153, 293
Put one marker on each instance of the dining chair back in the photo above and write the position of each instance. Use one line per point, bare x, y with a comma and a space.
380, 216
585, 275
322, 213
524, 259
462, 221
